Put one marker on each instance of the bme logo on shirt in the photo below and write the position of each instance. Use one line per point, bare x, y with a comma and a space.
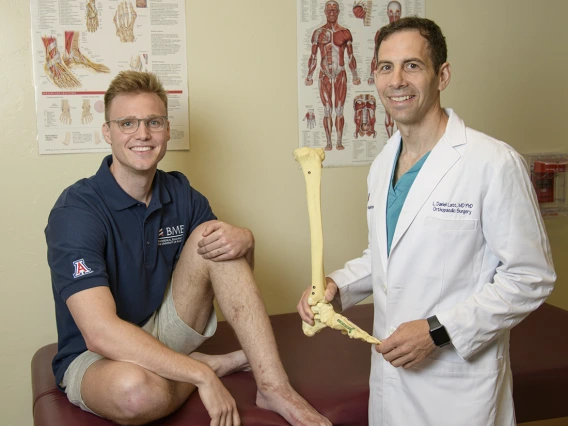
81, 268
170, 235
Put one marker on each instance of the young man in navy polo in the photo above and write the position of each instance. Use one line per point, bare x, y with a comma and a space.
136, 258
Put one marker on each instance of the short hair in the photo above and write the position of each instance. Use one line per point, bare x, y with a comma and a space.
134, 82
427, 29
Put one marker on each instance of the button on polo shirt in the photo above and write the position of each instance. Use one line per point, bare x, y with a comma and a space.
98, 235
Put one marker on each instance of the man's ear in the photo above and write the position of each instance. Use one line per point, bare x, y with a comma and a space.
445, 75
106, 133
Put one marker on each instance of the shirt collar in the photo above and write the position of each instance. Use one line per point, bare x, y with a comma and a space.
118, 199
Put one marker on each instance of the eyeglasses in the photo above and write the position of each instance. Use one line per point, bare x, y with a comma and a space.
131, 124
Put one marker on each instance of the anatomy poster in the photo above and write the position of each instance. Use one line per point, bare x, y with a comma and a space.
79, 46
338, 106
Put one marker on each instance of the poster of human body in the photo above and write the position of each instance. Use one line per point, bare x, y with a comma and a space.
338, 108
79, 46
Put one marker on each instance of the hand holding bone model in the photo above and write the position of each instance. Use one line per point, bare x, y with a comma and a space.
124, 19
86, 117
65, 116
310, 160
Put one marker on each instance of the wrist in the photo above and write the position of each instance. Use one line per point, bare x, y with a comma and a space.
438, 332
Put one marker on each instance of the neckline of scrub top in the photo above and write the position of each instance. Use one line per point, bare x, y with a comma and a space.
397, 194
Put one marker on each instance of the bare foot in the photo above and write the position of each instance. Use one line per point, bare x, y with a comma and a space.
339, 146
328, 147
291, 406
225, 364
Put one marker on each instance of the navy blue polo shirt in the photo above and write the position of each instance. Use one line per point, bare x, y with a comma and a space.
98, 235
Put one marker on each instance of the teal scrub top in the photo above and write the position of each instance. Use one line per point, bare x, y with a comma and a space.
398, 193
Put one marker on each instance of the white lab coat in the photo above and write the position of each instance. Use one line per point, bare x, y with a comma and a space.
470, 247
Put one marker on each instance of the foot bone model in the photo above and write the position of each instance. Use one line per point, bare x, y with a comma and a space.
54, 66
310, 160
73, 56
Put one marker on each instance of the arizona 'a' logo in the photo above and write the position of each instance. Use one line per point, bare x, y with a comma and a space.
81, 268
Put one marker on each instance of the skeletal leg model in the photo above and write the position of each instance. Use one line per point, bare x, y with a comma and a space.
92, 16
86, 117
124, 18
310, 160
73, 56
65, 116
54, 66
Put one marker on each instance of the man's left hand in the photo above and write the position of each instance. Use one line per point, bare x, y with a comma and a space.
408, 345
222, 241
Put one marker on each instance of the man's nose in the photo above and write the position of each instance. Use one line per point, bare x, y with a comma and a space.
142, 130
397, 78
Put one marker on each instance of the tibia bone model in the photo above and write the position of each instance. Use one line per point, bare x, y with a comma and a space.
92, 16
310, 160
54, 67
73, 56
124, 18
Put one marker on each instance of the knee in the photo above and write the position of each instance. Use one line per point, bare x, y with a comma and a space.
141, 398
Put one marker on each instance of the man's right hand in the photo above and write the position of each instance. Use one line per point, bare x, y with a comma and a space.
304, 308
218, 402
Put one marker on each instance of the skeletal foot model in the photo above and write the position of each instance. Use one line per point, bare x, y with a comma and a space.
54, 67
92, 16
65, 116
86, 117
310, 160
124, 18
73, 56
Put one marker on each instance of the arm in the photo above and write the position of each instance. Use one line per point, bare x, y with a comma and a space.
352, 62
312, 62
514, 231
222, 241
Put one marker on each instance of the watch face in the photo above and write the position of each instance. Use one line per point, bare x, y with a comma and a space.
440, 336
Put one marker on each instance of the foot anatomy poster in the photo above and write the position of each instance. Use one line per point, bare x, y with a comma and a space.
338, 106
79, 46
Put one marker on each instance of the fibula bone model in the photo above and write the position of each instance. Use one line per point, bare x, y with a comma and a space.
310, 160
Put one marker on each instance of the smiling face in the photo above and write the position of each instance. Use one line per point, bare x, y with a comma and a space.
140, 152
406, 81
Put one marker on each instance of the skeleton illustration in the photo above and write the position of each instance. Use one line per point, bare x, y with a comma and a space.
73, 56
97, 138
310, 160
362, 10
67, 138
92, 16
365, 106
65, 116
86, 117
124, 18
135, 63
54, 67
310, 118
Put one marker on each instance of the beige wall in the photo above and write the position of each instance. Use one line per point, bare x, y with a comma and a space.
509, 68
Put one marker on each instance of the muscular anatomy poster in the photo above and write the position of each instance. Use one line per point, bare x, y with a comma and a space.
79, 46
338, 106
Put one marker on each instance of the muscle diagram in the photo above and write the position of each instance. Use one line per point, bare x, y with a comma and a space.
92, 16
86, 116
310, 160
54, 66
65, 116
333, 41
124, 19
364, 107
310, 119
362, 10
394, 12
73, 56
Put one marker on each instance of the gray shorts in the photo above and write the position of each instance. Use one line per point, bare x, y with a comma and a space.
164, 324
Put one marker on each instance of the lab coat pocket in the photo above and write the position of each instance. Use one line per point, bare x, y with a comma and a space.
442, 393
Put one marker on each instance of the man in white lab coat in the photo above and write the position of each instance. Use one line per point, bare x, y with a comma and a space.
457, 256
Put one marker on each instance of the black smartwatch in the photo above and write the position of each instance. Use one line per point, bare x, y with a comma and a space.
438, 332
